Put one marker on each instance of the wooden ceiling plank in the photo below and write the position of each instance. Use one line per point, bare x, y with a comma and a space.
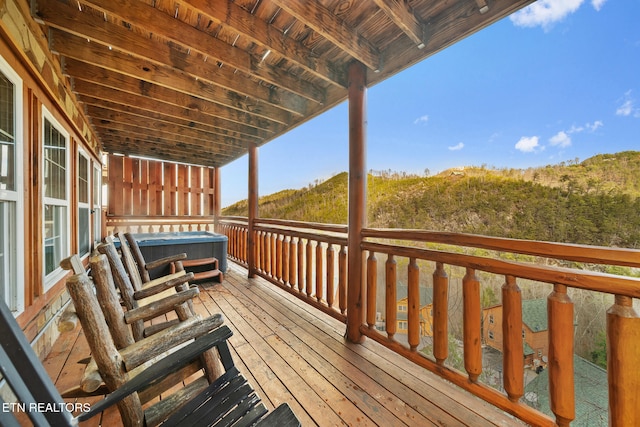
78, 48
322, 21
258, 31
155, 150
159, 23
403, 17
104, 114
151, 119
169, 144
93, 93
100, 76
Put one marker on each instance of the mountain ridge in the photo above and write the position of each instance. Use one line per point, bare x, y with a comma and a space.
596, 201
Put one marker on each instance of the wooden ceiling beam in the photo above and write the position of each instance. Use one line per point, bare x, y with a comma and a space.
403, 17
104, 115
226, 84
239, 20
325, 23
94, 94
100, 76
86, 25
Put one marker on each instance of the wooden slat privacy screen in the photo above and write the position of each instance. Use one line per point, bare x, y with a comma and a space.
139, 187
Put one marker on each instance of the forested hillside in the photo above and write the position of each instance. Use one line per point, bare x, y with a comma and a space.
592, 202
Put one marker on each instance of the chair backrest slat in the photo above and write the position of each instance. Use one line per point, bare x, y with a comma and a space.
26, 375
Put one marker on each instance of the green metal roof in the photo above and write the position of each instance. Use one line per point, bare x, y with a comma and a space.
592, 394
534, 314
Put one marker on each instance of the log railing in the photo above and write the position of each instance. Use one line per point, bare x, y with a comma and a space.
152, 224
307, 258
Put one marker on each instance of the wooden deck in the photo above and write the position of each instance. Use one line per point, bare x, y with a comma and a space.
293, 353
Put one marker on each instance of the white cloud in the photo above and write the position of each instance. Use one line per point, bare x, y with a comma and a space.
628, 107
421, 120
625, 109
545, 13
560, 139
458, 146
528, 144
592, 127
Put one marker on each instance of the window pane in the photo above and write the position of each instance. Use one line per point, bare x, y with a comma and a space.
83, 179
83, 230
7, 134
54, 162
55, 240
7, 252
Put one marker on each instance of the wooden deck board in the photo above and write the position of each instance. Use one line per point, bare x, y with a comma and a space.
291, 352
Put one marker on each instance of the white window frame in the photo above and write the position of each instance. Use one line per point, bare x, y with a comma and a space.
58, 273
13, 271
96, 202
84, 157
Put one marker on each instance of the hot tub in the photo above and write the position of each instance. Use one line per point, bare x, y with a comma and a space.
196, 244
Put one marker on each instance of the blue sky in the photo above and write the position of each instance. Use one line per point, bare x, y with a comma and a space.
556, 81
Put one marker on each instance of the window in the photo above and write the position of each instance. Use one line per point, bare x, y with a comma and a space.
11, 185
84, 205
402, 307
56, 197
402, 326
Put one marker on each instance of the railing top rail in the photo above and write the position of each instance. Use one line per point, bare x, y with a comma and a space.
322, 237
159, 218
584, 279
334, 228
564, 251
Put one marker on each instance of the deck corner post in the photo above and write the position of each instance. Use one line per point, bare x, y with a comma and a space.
217, 199
253, 208
357, 199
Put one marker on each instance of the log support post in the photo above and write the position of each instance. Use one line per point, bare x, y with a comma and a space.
623, 362
253, 209
357, 199
217, 203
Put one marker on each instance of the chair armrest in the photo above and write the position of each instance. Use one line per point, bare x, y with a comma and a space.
168, 365
162, 286
149, 347
164, 261
162, 306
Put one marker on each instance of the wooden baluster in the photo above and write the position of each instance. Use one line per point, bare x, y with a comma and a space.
267, 253
471, 329
319, 272
274, 254
413, 317
561, 383
372, 284
331, 260
440, 314
278, 257
513, 353
286, 241
342, 279
293, 262
623, 362
309, 269
391, 300
300, 265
